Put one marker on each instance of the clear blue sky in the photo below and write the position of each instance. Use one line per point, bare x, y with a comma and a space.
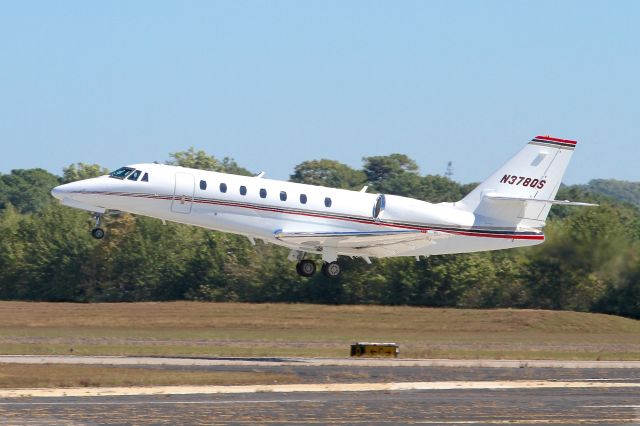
274, 83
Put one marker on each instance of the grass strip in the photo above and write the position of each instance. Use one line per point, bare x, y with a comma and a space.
78, 375
239, 329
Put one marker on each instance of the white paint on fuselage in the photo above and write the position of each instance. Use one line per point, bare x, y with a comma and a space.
258, 217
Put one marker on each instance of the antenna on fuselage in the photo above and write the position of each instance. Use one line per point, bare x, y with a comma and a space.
259, 175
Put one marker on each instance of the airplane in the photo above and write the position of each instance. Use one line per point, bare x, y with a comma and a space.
507, 210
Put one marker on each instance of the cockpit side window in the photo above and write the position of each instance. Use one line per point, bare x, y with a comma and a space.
121, 173
135, 175
145, 178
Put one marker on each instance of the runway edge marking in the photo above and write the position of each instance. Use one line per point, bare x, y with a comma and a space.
330, 387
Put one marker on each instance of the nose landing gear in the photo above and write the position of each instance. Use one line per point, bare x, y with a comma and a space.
97, 232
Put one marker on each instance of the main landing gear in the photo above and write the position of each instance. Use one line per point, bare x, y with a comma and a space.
97, 232
307, 267
331, 269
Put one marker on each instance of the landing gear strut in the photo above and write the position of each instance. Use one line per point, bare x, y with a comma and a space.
97, 232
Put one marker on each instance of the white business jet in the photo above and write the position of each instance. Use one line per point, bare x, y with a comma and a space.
507, 210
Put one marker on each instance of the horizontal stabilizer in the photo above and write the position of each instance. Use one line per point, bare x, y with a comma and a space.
498, 197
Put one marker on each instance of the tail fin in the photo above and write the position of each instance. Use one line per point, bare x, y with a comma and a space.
521, 192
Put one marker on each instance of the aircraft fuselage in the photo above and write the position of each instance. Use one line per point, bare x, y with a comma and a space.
264, 209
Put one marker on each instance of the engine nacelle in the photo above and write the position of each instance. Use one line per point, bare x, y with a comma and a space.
394, 208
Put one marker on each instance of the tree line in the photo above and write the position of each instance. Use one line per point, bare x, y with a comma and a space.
590, 261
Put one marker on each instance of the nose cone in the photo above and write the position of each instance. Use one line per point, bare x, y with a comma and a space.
57, 192
61, 191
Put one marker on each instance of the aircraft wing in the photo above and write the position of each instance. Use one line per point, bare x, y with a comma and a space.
375, 243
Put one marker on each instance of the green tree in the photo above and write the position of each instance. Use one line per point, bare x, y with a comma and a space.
624, 297
205, 277
380, 168
79, 171
394, 174
328, 173
57, 245
203, 161
616, 189
229, 165
28, 190
590, 260
437, 189
585, 253
12, 251
195, 160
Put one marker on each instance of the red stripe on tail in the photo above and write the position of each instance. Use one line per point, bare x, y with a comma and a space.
549, 138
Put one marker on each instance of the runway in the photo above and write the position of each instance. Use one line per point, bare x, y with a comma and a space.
530, 406
347, 392
297, 361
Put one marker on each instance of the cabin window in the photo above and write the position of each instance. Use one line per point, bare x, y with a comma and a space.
203, 184
327, 202
243, 190
145, 178
223, 187
283, 196
303, 198
121, 173
263, 193
135, 175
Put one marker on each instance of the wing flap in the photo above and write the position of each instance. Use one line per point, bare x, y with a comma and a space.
382, 243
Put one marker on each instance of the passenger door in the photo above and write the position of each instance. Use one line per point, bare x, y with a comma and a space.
183, 193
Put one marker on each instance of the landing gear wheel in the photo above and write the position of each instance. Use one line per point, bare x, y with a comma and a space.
331, 270
97, 233
306, 267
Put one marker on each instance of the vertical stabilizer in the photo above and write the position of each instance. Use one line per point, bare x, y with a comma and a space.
519, 193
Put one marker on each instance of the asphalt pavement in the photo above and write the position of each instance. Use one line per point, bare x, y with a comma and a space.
355, 393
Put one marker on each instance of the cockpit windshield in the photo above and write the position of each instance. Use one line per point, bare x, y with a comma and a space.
121, 173
135, 175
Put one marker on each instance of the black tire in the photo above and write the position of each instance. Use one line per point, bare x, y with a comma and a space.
97, 233
332, 270
306, 268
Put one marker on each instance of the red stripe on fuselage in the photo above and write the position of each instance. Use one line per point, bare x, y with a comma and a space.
467, 233
389, 225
